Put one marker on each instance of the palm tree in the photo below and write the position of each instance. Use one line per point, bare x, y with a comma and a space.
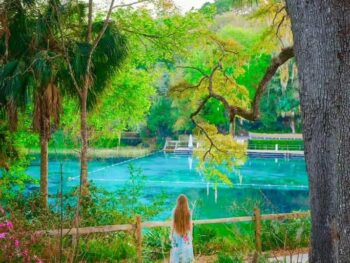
29, 69
94, 54
35, 63
13, 79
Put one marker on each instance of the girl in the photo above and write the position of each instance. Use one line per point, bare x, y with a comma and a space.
181, 233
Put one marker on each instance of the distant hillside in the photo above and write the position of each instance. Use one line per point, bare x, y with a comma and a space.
223, 6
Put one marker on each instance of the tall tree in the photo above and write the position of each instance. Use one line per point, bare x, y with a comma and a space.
92, 54
46, 116
321, 32
28, 69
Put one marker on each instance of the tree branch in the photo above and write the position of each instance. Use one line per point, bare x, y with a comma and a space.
98, 38
140, 33
130, 4
193, 115
89, 32
251, 114
66, 52
194, 68
276, 62
181, 88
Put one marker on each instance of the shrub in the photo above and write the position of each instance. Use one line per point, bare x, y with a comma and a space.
288, 234
156, 243
15, 244
108, 248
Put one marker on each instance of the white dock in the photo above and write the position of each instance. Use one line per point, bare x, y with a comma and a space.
182, 146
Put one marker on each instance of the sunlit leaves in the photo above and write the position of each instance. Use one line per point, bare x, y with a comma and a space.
278, 34
124, 104
164, 37
229, 66
218, 153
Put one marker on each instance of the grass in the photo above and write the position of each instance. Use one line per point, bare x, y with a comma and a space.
127, 151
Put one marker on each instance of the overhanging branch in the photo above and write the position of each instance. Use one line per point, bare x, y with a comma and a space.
254, 113
193, 115
249, 114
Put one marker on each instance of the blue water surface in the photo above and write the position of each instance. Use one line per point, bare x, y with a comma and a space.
276, 184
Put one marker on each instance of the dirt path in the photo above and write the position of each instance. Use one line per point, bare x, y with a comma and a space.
206, 259
302, 258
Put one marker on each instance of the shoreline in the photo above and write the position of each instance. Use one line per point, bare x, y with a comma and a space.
119, 152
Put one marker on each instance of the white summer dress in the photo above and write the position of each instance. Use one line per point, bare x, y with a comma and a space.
181, 248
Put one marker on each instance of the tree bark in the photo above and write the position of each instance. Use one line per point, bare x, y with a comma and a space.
44, 158
84, 139
321, 32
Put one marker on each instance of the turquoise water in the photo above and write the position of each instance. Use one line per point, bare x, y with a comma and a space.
278, 185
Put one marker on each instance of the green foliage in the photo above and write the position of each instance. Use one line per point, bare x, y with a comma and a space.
225, 258
124, 105
288, 234
226, 65
277, 34
130, 197
111, 248
156, 244
103, 207
99, 208
162, 118
224, 154
222, 6
214, 112
8, 151
253, 73
13, 164
110, 52
163, 39
281, 103
224, 238
137, 51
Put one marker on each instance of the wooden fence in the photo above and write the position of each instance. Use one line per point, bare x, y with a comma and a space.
139, 225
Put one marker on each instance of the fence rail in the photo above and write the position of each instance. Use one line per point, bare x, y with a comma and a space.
139, 225
275, 136
276, 147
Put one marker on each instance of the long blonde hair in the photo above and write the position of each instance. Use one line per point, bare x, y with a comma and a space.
182, 216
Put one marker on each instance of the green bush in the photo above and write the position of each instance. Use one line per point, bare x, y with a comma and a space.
287, 234
222, 238
156, 243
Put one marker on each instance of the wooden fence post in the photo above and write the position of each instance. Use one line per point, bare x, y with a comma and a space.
139, 238
257, 219
74, 240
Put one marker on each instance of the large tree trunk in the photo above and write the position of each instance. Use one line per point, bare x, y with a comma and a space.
84, 140
44, 158
322, 47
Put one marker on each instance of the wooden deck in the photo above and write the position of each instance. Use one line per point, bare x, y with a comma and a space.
178, 146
